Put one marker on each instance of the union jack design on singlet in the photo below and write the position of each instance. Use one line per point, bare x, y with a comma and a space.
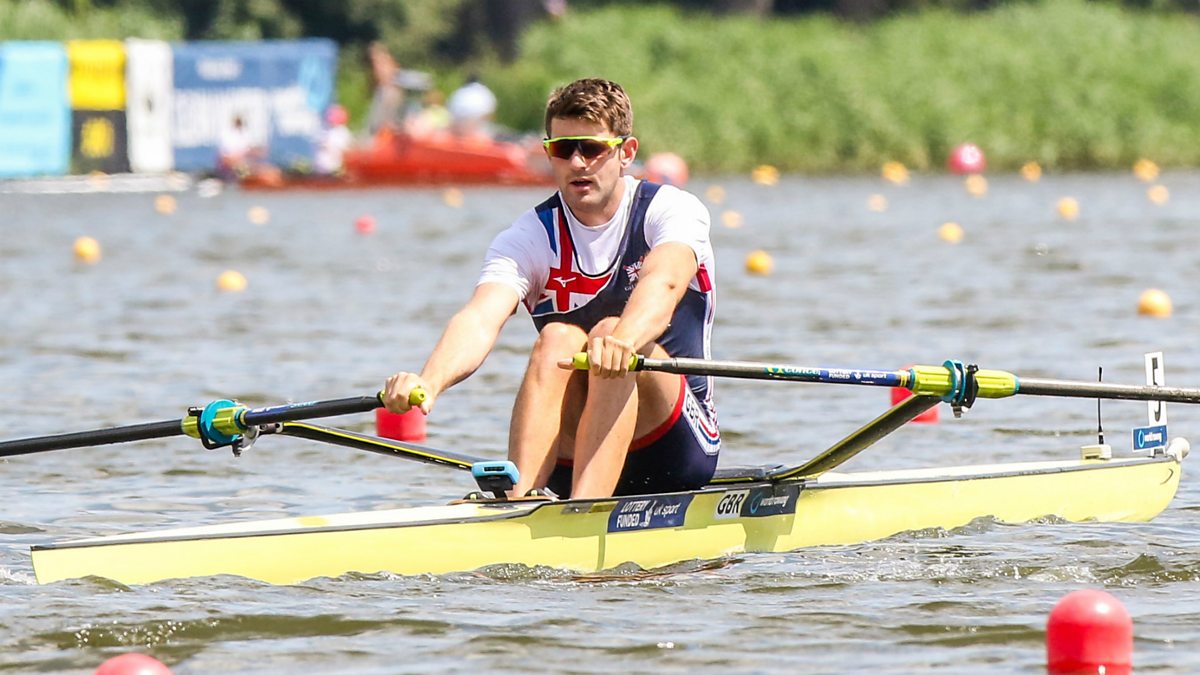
565, 278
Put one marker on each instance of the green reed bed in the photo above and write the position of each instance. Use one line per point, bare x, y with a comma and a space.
1069, 84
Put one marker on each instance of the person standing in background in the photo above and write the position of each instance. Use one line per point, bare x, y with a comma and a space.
387, 101
335, 139
472, 107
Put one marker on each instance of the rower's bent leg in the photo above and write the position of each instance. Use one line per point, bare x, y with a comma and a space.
616, 411
533, 436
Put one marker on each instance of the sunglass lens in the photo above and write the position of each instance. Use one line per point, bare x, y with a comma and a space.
588, 149
562, 149
592, 149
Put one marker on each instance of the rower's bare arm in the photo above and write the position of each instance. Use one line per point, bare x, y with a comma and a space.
665, 275
466, 342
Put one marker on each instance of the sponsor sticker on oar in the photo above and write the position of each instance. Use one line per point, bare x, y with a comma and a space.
1153, 435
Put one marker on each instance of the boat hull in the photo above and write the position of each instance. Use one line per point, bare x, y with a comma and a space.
393, 159
649, 531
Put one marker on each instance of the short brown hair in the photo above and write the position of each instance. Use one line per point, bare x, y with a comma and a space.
594, 100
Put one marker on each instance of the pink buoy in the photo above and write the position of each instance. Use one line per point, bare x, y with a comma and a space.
1089, 631
966, 158
365, 224
409, 426
667, 168
133, 664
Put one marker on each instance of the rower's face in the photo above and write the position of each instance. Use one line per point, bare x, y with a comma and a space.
592, 188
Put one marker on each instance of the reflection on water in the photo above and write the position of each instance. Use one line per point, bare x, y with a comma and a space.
328, 313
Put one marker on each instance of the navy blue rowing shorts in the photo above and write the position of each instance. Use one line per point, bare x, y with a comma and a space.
679, 455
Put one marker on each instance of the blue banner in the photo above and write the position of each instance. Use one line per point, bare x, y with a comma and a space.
35, 117
277, 89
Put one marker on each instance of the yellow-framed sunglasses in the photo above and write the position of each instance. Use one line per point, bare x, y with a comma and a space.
588, 147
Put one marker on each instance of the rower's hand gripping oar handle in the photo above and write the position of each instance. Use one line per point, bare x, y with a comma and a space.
415, 397
580, 362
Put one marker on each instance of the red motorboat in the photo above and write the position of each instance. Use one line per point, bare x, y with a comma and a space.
398, 158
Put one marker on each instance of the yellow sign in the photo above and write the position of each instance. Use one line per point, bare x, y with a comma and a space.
96, 138
97, 79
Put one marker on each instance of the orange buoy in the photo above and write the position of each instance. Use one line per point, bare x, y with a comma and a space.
950, 232
1068, 208
87, 250
231, 281
1154, 302
759, 262
1089, 631
409, 426
894, 172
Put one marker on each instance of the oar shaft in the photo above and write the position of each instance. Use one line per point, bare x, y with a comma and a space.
218, 424
1067, 388
304, 411
921, 380
83, 439
767, 371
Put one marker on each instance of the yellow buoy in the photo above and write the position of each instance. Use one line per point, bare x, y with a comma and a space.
87, 250
1068, 208
165, 204
231, 281
1145, 169
950, 232
894, 172
759, 262
1154, 302
1031, 171
765, 174
715, 194
258, 215
453, 197
877, 203
1158, 194
731, 219
976, 185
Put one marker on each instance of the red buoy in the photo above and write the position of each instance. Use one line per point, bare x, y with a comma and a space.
966, 158
667, 168
928, 417
133, 664
409, 426
1089, 631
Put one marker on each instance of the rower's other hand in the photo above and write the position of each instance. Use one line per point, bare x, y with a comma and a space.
609, 356
400, 393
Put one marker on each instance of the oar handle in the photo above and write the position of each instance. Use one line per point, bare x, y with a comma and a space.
581, 362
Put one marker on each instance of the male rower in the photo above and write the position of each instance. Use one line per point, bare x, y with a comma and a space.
611, 266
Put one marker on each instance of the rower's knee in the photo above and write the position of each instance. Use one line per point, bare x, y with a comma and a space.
604, 327
557, 341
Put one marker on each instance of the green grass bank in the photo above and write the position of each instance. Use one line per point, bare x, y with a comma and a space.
1069, 84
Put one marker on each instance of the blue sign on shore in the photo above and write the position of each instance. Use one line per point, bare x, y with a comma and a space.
35, 117
279, 89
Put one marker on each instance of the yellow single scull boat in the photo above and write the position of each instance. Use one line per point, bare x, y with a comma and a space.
763, 509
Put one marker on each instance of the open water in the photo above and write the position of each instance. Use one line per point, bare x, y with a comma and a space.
328, 313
